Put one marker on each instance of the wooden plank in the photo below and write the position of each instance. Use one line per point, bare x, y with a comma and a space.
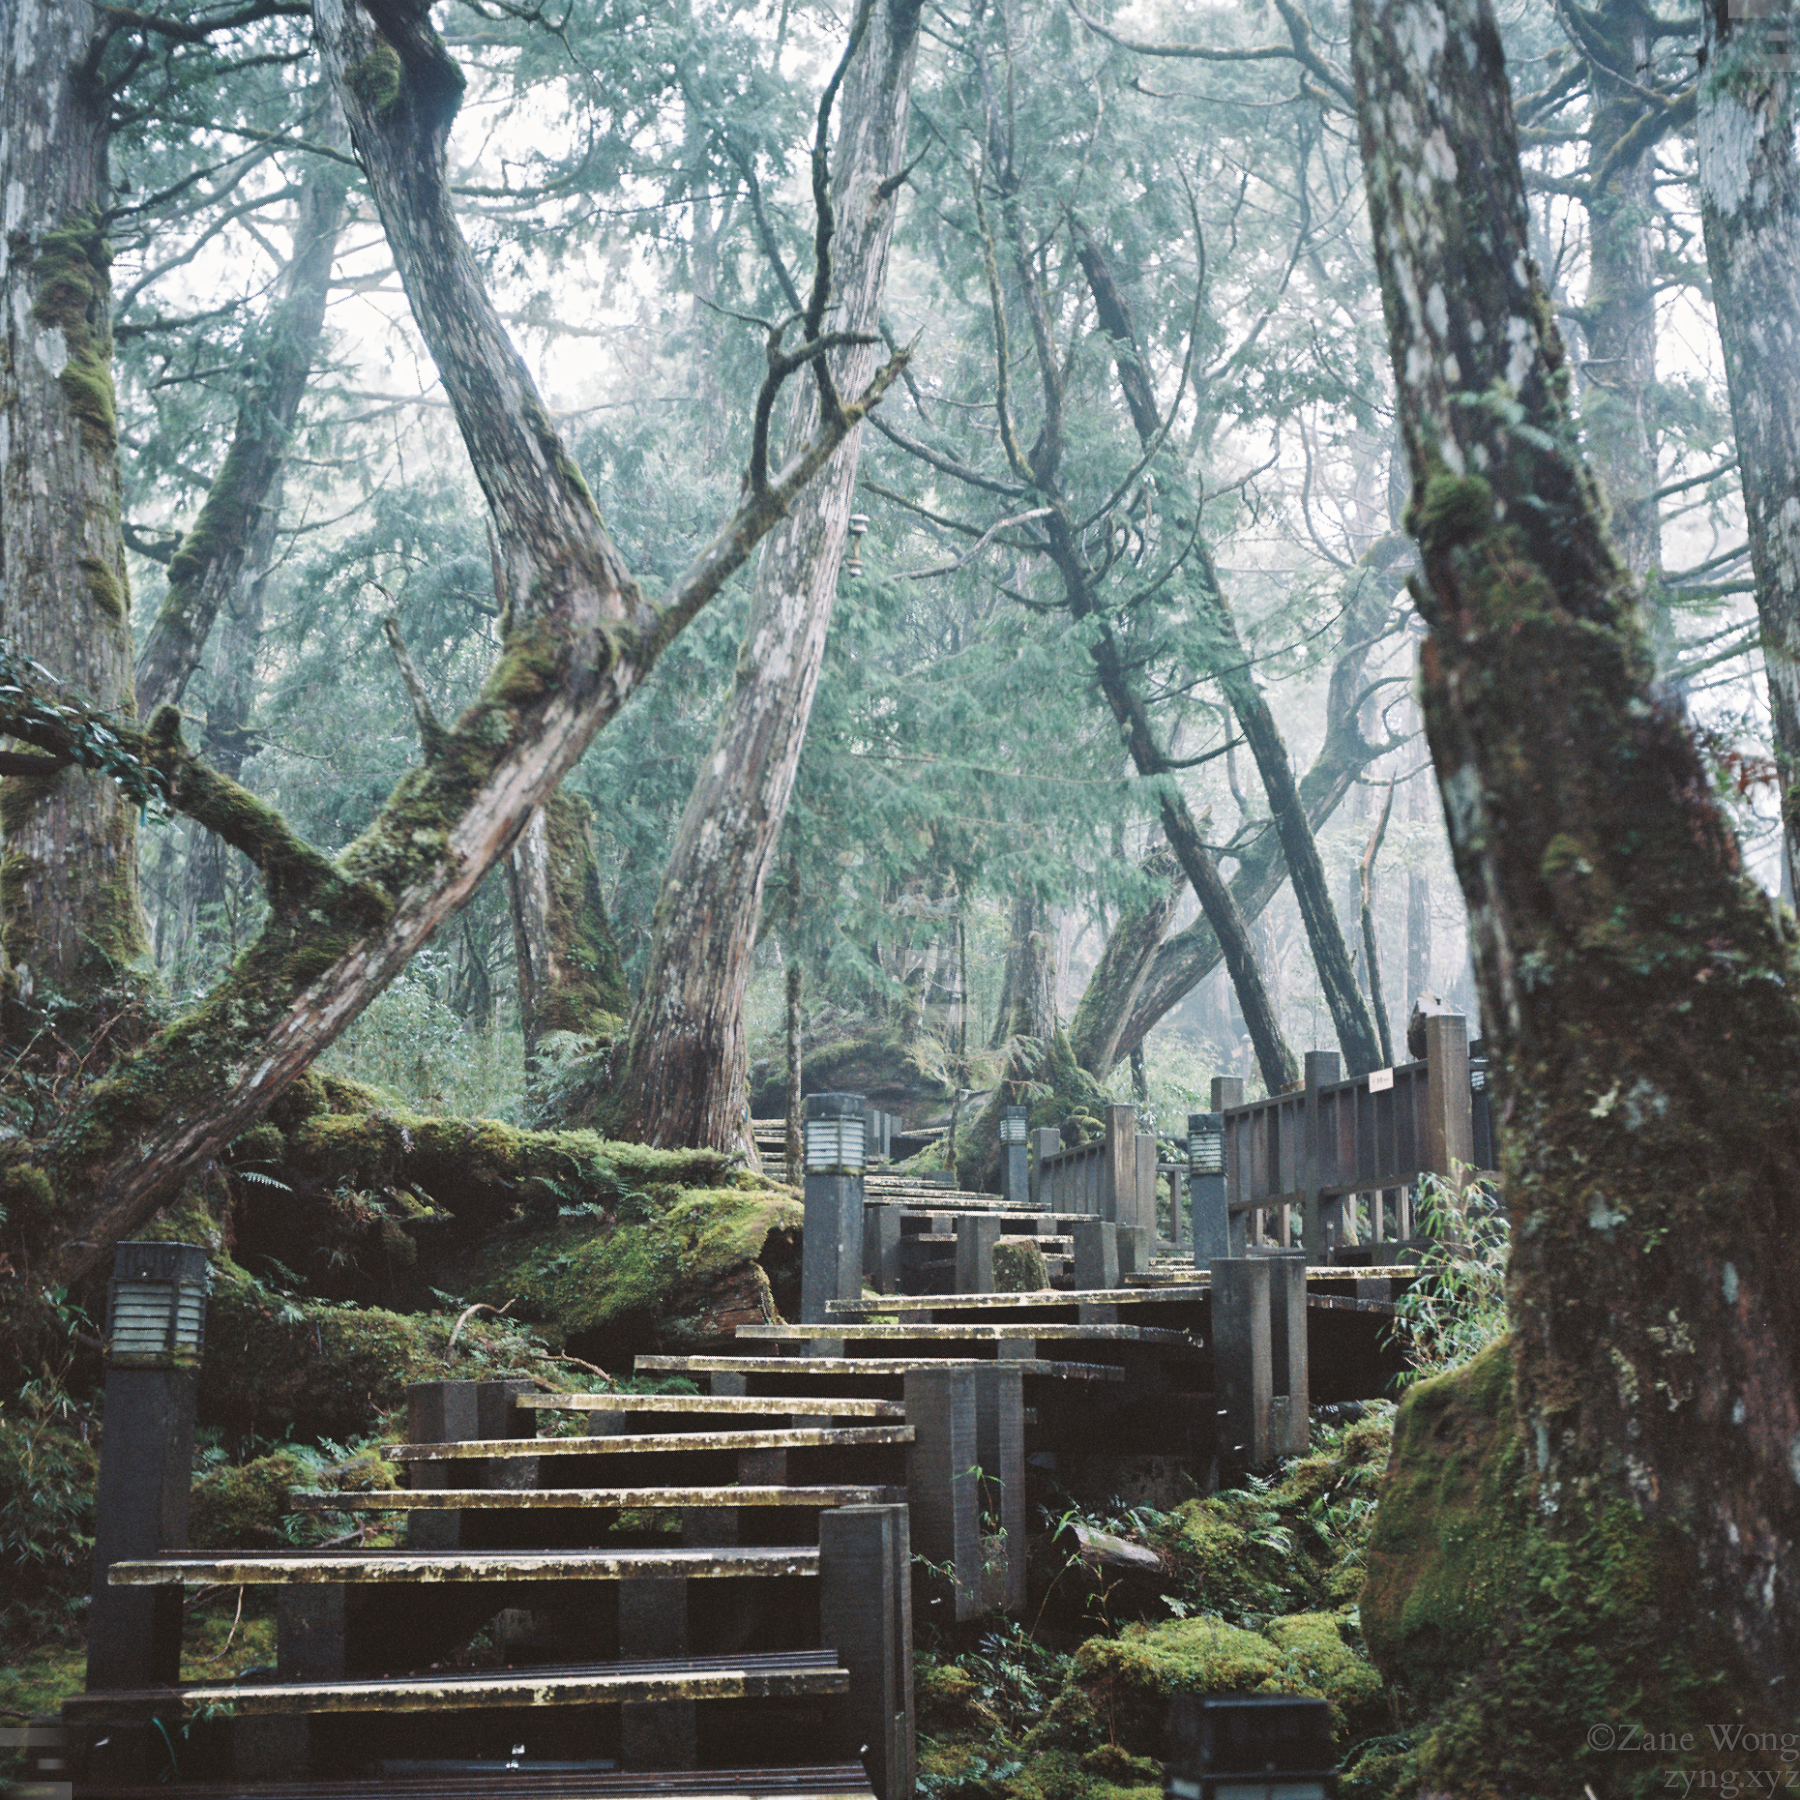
847, 1408
966, 1332
374, 1567
786, 1438
1035, 1298
875, 1365
845, 1781
796, 1672
644, 1499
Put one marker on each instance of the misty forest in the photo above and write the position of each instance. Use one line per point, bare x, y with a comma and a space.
575, 572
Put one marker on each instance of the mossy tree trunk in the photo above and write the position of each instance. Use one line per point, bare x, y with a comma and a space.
1750, 207
580, 638
1637, 991
571, 977
1186, 959
70, 922
229, 544
684, 1077
1118, 976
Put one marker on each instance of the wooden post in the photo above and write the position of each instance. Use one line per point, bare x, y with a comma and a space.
1290, 1402
1322, 1066
976, 1235
865, 1615
1449, 1124
438, 1412
1096, 1253
1044, 1144
1227, 1092
1000, 1455
1242, 1363
940, 1479
1118, 1182
653, 1622
881, 1249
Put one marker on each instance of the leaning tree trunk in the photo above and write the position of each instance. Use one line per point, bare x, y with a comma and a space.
70, 922
1186, 959
581, 639
684, 1077
227, 547
1637, 991
1750, 206
1118, 976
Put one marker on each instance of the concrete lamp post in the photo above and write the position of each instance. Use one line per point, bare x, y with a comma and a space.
1015, 1155
156, 1325
832, 1247
1206, 1188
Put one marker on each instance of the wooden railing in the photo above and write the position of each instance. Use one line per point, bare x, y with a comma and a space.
1343, 1155
1113, 1177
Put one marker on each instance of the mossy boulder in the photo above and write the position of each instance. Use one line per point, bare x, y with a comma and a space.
681, 1265
241, 1506
1019, 1267
1448, 1542
1322, 1660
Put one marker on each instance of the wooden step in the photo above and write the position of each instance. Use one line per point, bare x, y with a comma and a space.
846, 1408
646, 1442
187, 1568
789, 1673
844, 1781
966, 1332
1039, 1297
645, 1499
873, 1365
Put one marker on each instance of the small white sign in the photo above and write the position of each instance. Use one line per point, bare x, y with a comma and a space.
1380, 1080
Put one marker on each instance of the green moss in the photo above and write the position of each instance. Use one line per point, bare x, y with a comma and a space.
241, 1507
1104, 1773
377, 79
1447, 1548
1453, 511
223, 514
1019, 1267
1322, 1661
1520, 1641
28, 1199
106, 588
72, 291
260, 1146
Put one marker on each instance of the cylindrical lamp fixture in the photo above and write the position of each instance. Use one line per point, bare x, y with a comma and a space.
859, 523
1206, 1143
156, 1304
835, 1125
1249, 1746
1014, 1121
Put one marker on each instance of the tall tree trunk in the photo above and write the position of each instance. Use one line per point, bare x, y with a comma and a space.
1119, 975
1634, 985
580, 639
229, 544
1371, 947
70, 922
1418, 901
685, 1079
1750, 207
571, 976
1619, 314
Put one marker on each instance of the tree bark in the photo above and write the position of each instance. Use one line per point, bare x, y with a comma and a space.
571, 977
1750, 208
1418, 902
1634, 985
70, 922
1119, 975
580, 638
1371, 947
228, 545
1190, 956
684, 1078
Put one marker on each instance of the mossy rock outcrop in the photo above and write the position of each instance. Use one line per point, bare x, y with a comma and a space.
677, 1267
